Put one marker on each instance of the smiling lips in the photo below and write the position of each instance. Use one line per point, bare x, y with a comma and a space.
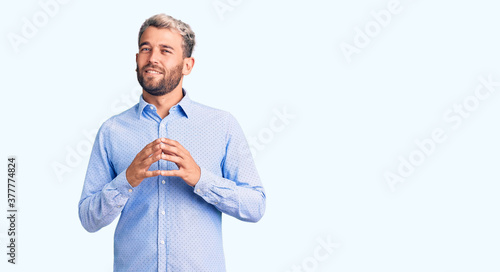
152, 71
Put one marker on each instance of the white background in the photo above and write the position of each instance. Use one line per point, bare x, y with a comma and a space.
323, 171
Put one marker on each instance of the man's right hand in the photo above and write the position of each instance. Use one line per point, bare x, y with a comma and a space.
139, 168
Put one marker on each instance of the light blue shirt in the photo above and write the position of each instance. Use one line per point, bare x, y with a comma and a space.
165, 224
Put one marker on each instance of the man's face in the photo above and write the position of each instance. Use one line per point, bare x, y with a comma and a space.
159, 61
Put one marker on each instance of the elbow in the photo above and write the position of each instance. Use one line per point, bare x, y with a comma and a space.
86, 223
258, 216
89, 228
259, 211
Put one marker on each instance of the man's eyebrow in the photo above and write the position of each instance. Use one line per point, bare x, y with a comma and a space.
167, 46
144, 43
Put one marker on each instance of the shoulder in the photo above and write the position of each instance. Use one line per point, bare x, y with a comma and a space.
215, 119
211, 114
121, 118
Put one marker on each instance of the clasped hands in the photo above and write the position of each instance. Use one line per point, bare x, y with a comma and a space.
163, 149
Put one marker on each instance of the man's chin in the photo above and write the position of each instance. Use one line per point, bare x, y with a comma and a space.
153, 86
154, 91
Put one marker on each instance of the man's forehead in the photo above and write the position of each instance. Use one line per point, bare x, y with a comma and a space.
165, 36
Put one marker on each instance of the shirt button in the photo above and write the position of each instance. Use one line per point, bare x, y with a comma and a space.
162, 242
216, 203
119, 206
151, 107
198, 190
163, 182
163, 212
130, 190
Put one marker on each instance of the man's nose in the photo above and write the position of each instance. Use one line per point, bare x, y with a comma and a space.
154, 56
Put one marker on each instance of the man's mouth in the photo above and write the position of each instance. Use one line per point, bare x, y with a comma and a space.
153, 72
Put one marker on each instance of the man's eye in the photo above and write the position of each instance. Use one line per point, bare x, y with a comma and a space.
145, 49
166, 51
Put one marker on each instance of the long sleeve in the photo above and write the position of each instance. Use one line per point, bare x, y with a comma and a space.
239, 192
104, 192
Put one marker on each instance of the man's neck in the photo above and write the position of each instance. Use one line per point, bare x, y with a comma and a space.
165, 102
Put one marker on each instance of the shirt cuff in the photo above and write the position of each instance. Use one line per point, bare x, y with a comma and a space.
204, 186
120, 183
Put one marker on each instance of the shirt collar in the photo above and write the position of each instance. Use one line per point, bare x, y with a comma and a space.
185, 105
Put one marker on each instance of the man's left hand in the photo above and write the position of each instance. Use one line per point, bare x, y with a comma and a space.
189, 171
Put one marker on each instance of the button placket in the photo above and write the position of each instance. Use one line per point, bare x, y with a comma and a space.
162, 222
162, 196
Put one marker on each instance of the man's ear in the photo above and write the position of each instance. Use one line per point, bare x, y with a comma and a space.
187, 65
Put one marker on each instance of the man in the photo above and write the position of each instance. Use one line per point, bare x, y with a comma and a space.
169, 166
